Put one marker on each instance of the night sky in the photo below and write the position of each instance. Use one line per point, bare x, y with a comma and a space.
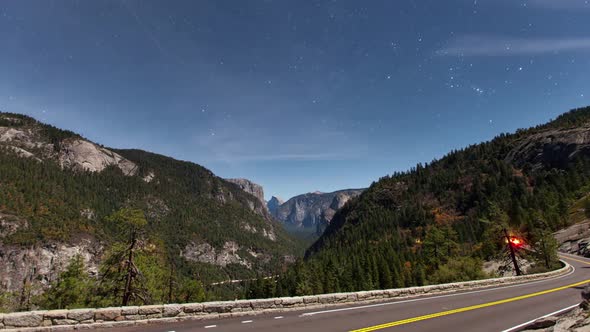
295, 95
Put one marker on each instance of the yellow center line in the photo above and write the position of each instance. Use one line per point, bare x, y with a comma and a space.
573, 259
474, 307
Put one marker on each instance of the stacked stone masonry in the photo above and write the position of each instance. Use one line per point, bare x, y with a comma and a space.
78, 319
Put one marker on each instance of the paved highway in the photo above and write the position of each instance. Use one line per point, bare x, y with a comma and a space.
494, 309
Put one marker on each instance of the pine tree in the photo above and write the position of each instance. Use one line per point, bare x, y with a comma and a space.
120, 269
72, 288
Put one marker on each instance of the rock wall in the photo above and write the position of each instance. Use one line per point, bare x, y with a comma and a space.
250, 187
82, 155
574, 239
142, 315
205, 253
255, 190
551, 148
76, 154
43, 263
306, 211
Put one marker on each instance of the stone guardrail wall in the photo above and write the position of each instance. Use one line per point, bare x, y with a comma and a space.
78, 319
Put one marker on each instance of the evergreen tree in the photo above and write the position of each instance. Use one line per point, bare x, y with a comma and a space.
71, 289
120, 270
544, 246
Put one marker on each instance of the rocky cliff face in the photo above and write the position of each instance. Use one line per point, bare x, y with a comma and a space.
230, 253
255, 190
249, 187
74, 153
42, 262
551, 148
308, 210
82, 155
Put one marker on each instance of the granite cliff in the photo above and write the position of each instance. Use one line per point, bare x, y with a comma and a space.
308, 211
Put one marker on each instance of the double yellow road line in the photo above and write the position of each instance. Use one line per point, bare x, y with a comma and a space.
474, 307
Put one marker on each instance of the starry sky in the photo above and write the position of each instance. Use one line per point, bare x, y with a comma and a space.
297, 95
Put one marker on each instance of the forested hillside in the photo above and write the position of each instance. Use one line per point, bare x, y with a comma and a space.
58, 193
437, 222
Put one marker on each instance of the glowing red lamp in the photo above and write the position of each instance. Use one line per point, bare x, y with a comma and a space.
516, 242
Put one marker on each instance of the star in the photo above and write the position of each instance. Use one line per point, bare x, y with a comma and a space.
478, 90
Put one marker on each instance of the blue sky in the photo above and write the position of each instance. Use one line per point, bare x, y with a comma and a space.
295, 95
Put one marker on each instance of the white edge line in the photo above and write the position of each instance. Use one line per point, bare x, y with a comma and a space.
210, 326
514, 328
435, 297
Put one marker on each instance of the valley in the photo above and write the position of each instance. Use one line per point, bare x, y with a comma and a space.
432, 224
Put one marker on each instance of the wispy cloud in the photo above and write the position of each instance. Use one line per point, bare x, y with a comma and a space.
482, 45
245, 157
247, 144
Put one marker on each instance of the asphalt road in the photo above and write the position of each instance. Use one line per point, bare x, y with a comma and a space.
493, 309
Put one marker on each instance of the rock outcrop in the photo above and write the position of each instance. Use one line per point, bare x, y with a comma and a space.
308, 210
73, 153
250, 187
78, 154
551, 148
575, 239
205, 253
576, 320
44, 262
256, 190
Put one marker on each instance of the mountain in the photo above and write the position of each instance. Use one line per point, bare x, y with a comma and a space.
273, 205
438, 221
253, 189
312, 210
58, 189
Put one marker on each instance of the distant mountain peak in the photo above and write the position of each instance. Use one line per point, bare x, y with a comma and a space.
308, 210
273, 205
277, 199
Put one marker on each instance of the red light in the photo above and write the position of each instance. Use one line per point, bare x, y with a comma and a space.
515, 242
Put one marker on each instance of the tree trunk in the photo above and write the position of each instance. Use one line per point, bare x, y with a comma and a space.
130, 272
512, 254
